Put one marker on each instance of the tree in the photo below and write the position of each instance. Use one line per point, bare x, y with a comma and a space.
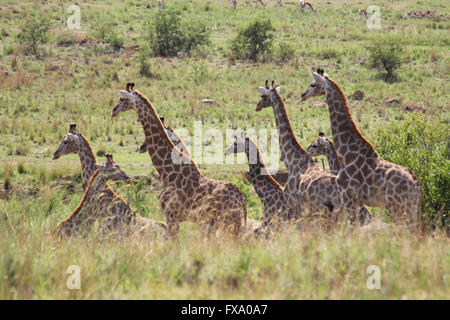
35, 31
253, 39
385, 53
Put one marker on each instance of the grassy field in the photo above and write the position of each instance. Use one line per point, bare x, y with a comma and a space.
76, 77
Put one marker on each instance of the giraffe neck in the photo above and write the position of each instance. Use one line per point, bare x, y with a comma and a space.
346, 135
259, 175
293, 154
87, 159
160, 147
76, 217
333, 160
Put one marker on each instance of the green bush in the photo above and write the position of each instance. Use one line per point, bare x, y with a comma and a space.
424, 148
253, 40
169, 34
285, 52
385, 54
106, 33
34, 31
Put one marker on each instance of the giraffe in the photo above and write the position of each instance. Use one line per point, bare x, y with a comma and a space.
186, 194
75, 142
159, 4
324, 146
173, 136
308, 187
304, 4
101, 203
234, 3
266, 187
365, 177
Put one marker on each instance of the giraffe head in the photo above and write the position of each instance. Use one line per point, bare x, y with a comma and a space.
69, 144
240, 145
317, 147
265, 100
126, 101
111, 171
317, 87
245, 144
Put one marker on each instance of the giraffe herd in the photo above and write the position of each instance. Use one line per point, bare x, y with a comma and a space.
358, 176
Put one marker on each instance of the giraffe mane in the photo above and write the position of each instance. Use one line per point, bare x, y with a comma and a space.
289, 123
162, 127
349, 113
335, 152
78, 208
116, 196
89, 146
263, 165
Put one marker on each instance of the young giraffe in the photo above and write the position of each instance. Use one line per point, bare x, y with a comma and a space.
266, 187
304, 4
173, 136
101, 203
324, 146
308, 187
75, 142
234, 3
186, 194
364, 176
159, 4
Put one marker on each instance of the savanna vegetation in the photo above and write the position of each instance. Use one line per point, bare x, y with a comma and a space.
51, 76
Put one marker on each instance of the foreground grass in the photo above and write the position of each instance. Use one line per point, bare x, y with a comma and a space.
294, 265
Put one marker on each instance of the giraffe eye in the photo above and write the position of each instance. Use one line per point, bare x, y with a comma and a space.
313, 85
66, 142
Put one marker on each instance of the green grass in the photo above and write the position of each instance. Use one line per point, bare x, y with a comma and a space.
67, 82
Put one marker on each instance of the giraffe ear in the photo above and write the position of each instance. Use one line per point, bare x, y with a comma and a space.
126, 94
263, 91
278, 89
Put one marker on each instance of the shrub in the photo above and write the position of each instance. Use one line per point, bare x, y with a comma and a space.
34, 31
423, 147
170, 34
106, 33
253, 40
385, 54
285, 52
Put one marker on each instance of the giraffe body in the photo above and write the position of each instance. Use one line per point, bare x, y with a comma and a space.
186, 193
364, 176
99, 203
308, 187
324, 146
